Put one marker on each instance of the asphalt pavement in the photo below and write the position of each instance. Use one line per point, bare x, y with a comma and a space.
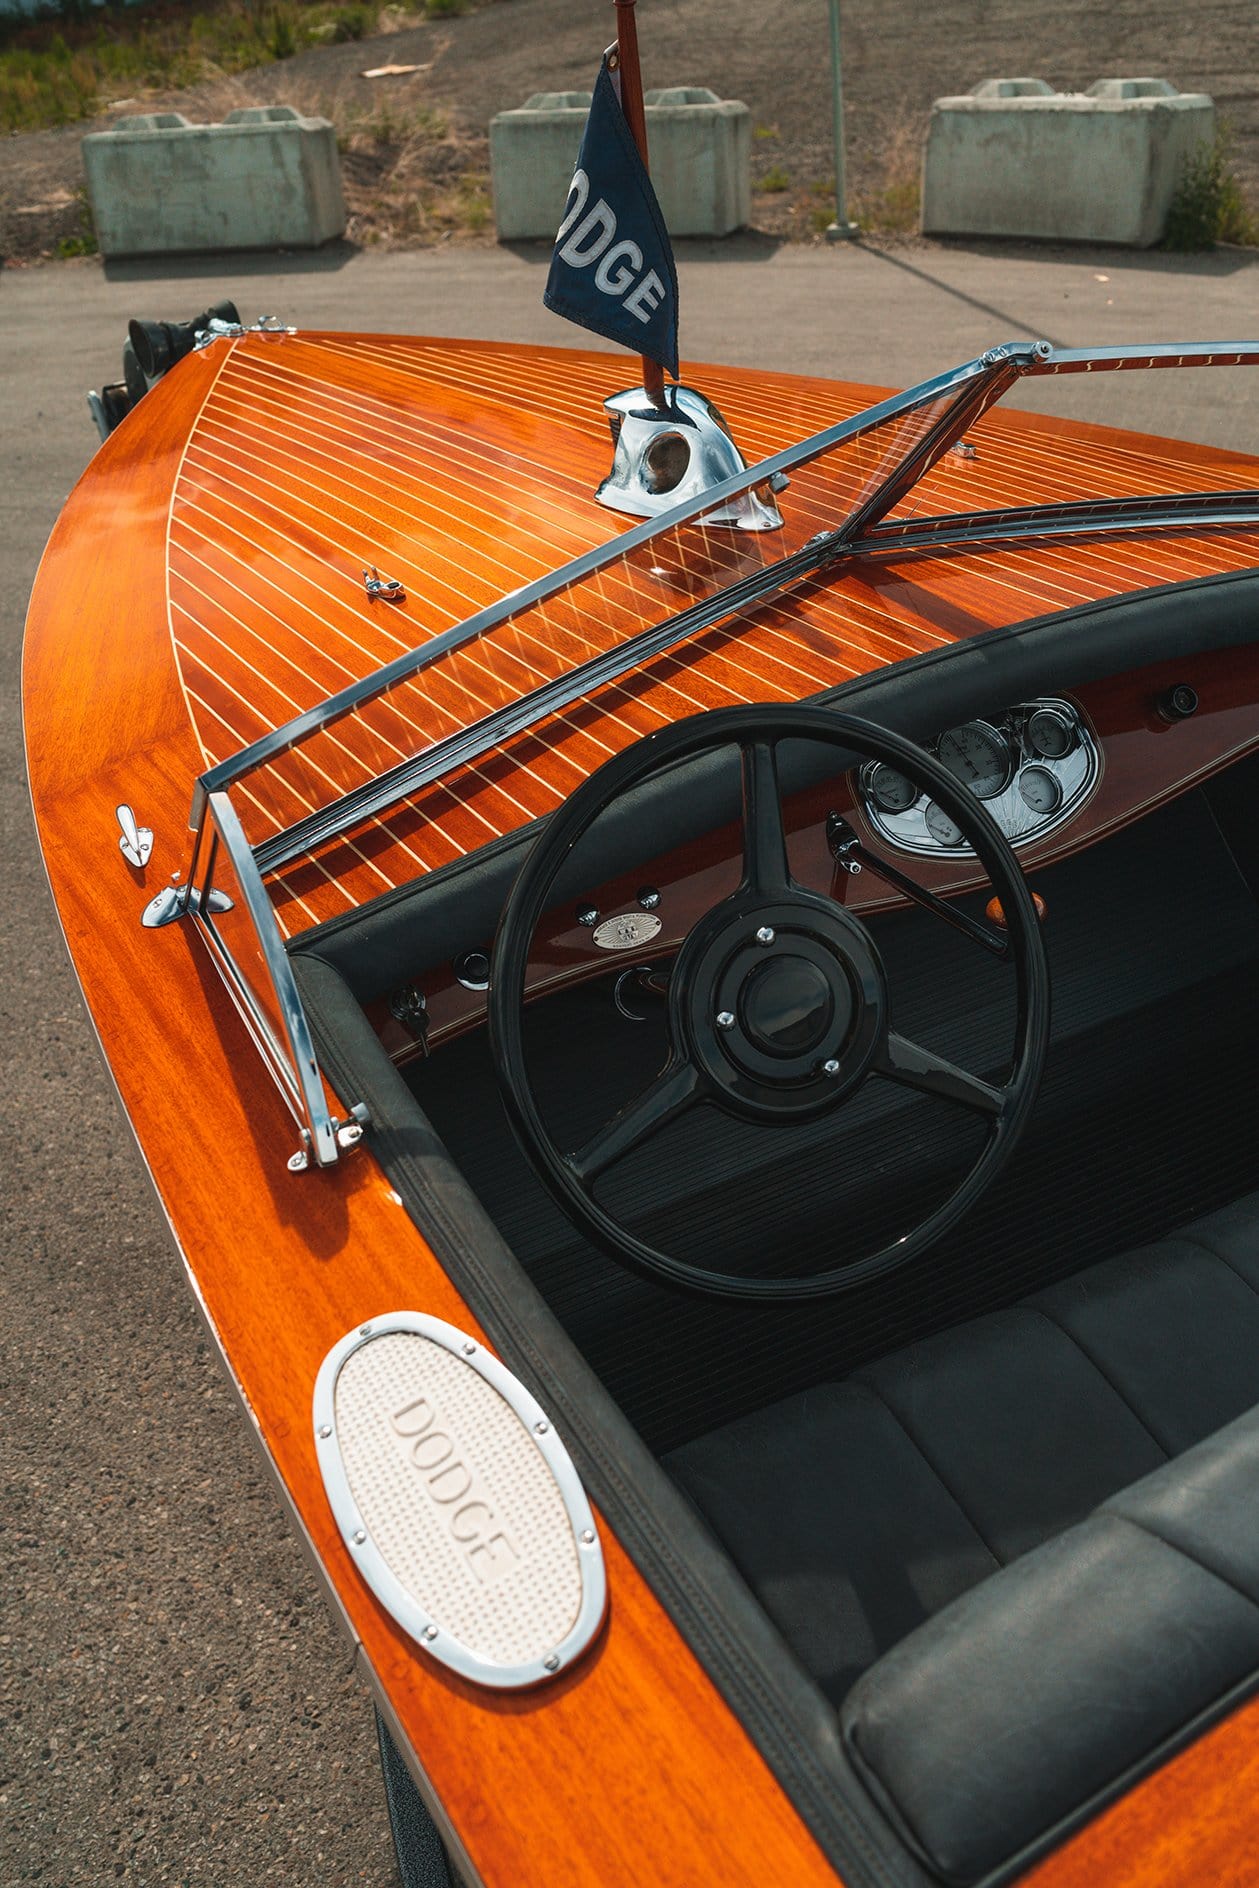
177, 1706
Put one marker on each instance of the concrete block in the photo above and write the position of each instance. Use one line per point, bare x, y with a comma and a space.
1131, 88
266, 178
1013, 88
1099, 167
700, 147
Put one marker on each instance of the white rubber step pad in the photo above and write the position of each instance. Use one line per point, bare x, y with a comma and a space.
459, 1503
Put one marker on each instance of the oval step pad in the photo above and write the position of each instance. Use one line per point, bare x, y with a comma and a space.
459, 1503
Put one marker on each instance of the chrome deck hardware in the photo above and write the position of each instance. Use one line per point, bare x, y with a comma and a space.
666, 455
136, 842
176, 901
387, 588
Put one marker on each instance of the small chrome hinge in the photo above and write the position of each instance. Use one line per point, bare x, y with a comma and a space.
176, 901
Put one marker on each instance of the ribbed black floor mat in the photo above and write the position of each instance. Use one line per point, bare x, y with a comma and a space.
1149, 1115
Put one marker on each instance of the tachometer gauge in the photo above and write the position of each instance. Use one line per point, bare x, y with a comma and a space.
945, 831
890, 790
1050, 734
978, 756
1040, 790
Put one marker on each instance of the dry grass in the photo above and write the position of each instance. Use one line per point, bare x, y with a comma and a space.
884, 196
411, 175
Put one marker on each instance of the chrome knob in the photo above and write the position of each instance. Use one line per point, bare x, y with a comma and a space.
830, 1066
766, 934
725, 1019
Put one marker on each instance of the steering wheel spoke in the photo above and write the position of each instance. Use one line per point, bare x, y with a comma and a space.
765, 868
673, 1091
915, 1067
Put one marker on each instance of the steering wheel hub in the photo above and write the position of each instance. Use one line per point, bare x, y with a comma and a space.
784, 1006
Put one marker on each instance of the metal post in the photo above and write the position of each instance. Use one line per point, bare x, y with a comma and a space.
841, 229
635, 118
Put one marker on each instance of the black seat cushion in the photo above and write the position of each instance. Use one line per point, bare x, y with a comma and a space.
1039, 1690
856, 1511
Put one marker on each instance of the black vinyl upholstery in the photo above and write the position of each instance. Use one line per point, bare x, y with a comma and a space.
1000, 1528
1041, 1688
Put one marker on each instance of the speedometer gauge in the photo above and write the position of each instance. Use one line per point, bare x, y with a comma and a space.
977, 756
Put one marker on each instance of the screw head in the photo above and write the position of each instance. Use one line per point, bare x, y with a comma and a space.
430, 1632
553, 1663
540, 1429
298, 1162
325, 1430
364, 1330
587, 915
587, 1537
830, 1066
725, 1019
469, 1349
766, 934
358, 1537
649, 898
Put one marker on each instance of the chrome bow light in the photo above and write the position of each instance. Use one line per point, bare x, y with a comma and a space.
670, 452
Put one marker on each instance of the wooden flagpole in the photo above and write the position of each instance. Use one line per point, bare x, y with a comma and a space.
632, 105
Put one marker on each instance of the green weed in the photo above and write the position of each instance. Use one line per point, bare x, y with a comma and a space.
56, 72
1209, 205
83, 243
775, 179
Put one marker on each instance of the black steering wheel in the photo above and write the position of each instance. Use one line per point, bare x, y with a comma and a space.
778, 1006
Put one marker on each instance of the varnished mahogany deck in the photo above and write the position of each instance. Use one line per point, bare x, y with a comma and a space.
312, 457
203, 582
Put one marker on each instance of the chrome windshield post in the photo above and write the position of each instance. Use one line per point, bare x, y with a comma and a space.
227, 901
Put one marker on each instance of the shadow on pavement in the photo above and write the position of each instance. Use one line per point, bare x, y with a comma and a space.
236, 262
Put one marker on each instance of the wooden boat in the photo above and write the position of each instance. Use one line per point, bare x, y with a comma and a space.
862, 1486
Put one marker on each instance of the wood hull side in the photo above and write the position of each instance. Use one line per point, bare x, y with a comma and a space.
540, 1790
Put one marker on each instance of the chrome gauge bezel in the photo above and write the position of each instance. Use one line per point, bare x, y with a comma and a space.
999, 739
1075, 774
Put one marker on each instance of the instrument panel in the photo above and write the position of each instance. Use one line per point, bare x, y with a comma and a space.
1118, 748
1033, 767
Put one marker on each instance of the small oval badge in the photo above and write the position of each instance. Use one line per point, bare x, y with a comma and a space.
621, 934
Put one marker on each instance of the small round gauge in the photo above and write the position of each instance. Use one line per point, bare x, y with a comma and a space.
978, 756
1050, 734
945, 831
890, 790
1040, 790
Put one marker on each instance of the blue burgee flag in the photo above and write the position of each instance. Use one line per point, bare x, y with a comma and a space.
613, 266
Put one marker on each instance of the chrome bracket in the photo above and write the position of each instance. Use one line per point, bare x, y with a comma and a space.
136, 842
388, 588
348, 1134
217, 331
176, 901
667, 454
232, 330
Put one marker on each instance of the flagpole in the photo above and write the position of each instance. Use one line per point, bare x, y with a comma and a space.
635, 117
